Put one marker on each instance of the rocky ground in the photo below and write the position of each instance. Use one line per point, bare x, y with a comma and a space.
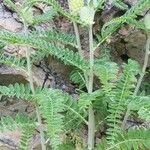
128, 42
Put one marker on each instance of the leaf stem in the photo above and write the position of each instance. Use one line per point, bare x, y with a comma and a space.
78, 114
144, 66
76, 30
77, 38
147, 53
29, 68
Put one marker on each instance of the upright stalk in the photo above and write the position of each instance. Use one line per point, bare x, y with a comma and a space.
29, 68
76, 30
91, 126
147, 53
89, 83
77, 38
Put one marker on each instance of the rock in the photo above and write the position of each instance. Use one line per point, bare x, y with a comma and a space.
41, 79
35, 143
10, 139
9, 75
59, 68
129, 43
7, 21
6, 147
135, 46
125, 31
5, 111
43, 7
131, 2
10, 24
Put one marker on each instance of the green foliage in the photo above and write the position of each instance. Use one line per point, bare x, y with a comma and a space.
144, 113
53, 104
78, 78
66, 55
129, 16
26, 124
100, 4
50, 102
10, 4
19, 90
106, 76
123, 90
120, 4
27, 133
2, 45
74, 117
55, 36
137, 24
87, 99
20, 121
13, 61
57, 7
26, 13
66, 146
141, 104
60, 112
45, 17
133, 139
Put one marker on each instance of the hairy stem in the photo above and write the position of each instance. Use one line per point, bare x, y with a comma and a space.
147, 53
29, 67
76, 30
91, 126
144, 66
77, 38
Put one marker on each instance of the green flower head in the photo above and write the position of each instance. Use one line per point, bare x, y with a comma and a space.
76, 5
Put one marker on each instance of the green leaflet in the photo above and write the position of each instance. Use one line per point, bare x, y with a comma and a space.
133, 139
120, 4
20, 121
45, 17
117, 98
57, 7
27, 133
130, 14
13, 61
53, 103
55, 36
78, 78
18, 90
66, 55
26, 124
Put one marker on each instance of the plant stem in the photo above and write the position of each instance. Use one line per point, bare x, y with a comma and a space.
147, 53
88, 83
77, 38
144, 66
91, 127
29, 68
76, 30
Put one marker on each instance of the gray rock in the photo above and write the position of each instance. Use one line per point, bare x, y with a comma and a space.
7, 21
9, 75
131, 2
135, 46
